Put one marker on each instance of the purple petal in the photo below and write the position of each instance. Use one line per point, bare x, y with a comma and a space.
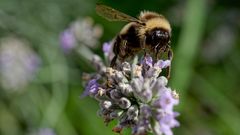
167, 121
167, 101
67, 40
166, 130
91, 88
147, 61
145, 111
107, 48
46, 131
163, 63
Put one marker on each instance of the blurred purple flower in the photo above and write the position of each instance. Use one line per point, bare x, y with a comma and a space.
18, 63
82, 31
43, 131
46, 131
107, 48
68, 40
87, 32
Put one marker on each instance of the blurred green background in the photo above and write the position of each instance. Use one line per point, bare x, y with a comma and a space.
41, 78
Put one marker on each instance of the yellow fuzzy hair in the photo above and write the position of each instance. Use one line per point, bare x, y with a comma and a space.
153, 20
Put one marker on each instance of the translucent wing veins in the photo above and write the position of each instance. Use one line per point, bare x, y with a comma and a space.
113, 14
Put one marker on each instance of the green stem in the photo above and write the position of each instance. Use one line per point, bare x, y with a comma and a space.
59, 81
85, 52
189, 42
59, 85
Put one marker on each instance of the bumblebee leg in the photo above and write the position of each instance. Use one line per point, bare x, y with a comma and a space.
143, 45
159, 52
170, 57
116, 51
113, 61
170, 54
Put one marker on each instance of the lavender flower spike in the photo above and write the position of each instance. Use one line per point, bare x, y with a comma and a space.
136, 95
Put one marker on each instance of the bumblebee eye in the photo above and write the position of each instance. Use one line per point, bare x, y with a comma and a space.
159, 36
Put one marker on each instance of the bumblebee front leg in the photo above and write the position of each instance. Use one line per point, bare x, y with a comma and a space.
143, 45
159, 52
170, 57
113, 61
116, 51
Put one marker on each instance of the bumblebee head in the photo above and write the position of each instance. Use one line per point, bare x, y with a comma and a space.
158, 37
157, 29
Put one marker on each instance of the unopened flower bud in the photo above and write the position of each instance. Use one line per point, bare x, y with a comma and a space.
106, 104
127, 91
116, 113
126, 68
137, 84
124, 103
137, 71
132, 112
119, 77
115, 94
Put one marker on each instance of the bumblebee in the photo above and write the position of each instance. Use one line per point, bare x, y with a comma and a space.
150, 33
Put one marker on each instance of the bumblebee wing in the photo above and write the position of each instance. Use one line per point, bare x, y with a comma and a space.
113, 14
